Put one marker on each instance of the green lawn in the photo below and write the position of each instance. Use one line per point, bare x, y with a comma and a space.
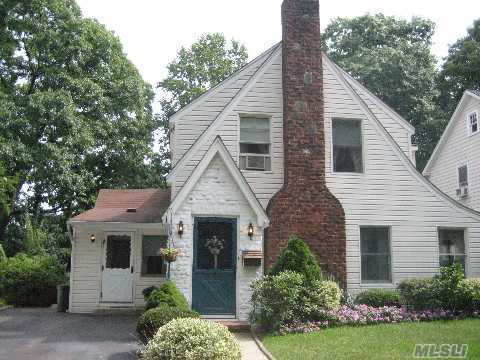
2, 302
386, 341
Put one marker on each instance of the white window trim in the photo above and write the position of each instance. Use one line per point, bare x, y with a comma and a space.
362, 138
392, 283
469, 125
465, 241
255, 115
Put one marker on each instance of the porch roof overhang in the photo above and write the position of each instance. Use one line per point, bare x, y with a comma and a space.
140, 206
218, 148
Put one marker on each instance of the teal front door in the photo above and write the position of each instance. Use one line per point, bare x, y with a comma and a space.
214, 266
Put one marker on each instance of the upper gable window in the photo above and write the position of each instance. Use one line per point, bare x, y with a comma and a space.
347, 145
472, 120
255, 144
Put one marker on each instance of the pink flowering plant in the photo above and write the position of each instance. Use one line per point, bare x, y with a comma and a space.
366, 315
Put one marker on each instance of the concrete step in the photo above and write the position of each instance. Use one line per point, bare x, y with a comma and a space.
234, 325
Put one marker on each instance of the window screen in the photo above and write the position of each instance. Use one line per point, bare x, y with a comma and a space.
451, 246
375, 254
118, 252
254, 144
152, 261
463, 175
347, 146
473, 122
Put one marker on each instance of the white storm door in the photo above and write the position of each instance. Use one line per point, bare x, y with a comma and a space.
117, 269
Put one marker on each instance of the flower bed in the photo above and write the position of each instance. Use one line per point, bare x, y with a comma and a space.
365, 315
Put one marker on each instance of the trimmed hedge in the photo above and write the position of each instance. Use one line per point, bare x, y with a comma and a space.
379, 297
30, 280
167, 294
297, 257
153, 319
192, 339
418, 293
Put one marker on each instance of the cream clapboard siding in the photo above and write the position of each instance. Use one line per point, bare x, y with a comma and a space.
265, 97
460, 149
262, 96
389, 193
86, 275
189, 124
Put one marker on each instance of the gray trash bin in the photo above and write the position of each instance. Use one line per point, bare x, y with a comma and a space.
63, 292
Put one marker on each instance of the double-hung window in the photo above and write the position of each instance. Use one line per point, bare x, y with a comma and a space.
347, 145
153, 263
255, 147
451, 246
375, 254
472, 120
463, 176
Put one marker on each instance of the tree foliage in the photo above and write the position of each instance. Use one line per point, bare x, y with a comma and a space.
196, 69
76, 114
392, 58
461, 69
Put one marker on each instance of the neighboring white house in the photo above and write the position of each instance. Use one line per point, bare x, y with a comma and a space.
454, 166
230, 158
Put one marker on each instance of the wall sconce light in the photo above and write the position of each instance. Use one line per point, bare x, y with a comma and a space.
250, 230
92, 238
180, 228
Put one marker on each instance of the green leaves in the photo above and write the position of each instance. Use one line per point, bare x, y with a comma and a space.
392, 58
76, 114
195, 70
461, 70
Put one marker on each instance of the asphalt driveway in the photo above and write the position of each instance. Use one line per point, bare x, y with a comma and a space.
34, 334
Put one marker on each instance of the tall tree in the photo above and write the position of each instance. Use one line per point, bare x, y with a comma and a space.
461, 69
392, 58
76, 114
195, 70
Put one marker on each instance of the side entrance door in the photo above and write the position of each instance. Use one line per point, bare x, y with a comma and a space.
214, 266
117, 269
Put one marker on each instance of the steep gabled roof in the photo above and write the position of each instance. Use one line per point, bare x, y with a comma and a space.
388, 137
219, 148
144, 206
197, 101
219, 118
446, 133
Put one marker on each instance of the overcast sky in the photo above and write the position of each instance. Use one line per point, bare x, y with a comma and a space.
152, 31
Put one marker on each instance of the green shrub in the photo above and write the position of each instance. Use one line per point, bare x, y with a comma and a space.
148, 291
469, 294
167, 294
192, 339
152, 320
379, 297
446, 287
418, 293
30, 280
298, 258
275, 299
318, 297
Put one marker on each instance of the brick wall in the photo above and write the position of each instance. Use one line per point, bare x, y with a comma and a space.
304, 206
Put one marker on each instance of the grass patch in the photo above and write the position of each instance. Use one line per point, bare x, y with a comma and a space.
2, 302
385, 341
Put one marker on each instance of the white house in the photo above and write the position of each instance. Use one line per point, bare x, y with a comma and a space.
289, 144
454, 166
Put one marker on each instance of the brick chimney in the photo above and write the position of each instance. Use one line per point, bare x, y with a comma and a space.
304, 206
